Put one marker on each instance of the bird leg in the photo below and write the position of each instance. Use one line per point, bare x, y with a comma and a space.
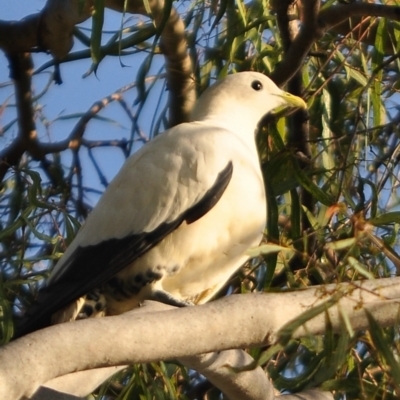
167, 298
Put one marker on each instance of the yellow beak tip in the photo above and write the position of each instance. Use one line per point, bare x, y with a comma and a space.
294, 101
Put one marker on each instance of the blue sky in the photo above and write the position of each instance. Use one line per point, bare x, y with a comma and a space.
77, 94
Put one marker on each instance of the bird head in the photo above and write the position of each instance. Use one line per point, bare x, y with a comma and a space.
240, 101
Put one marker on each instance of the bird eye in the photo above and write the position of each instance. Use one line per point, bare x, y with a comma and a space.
256, 85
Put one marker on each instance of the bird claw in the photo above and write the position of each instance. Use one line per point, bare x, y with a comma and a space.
167, 298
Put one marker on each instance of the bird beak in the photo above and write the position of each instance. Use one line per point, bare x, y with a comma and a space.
292, 100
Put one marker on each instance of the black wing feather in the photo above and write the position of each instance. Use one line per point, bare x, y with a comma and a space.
91, 266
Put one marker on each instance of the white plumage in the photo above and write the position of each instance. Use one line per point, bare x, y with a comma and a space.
176, 221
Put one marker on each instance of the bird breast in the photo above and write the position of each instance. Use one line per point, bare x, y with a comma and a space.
195, 261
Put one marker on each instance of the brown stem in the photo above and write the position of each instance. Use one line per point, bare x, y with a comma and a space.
21, 72
173, 43
299, 132
340, 18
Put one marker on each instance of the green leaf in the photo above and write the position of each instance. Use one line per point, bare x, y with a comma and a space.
327, 155
374, 199
141, 79
266, 249
35, 191
72, 226
313, 221
221, 11
97, 30
18, 223
357, 75
295, 216
6, 321
310, 186
273, 233
377, 59
341, 244
39, 235
385, 219
382, 346
269, 353
286, 332
242, 11
360, 268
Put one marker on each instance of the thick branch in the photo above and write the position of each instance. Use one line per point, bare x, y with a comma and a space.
338, 13
19, 36
21, 73
228, 370
52, 30
173, 43
297, 44
11, 156
238, 321
49, 394
218, 368
299, 129
83, 382
232, 371
341, 18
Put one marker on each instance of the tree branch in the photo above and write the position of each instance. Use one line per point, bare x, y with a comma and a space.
19, 36
238, 321
27, 138
173, 44
315, 26
338, 13
52, 30
21, 73
232, 371
49, 394
83, 382
299, 129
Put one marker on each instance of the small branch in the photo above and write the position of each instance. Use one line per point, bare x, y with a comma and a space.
27, 138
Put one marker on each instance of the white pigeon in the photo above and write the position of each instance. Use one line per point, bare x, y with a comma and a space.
176, 221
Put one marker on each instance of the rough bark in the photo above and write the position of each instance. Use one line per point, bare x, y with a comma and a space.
238, 321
